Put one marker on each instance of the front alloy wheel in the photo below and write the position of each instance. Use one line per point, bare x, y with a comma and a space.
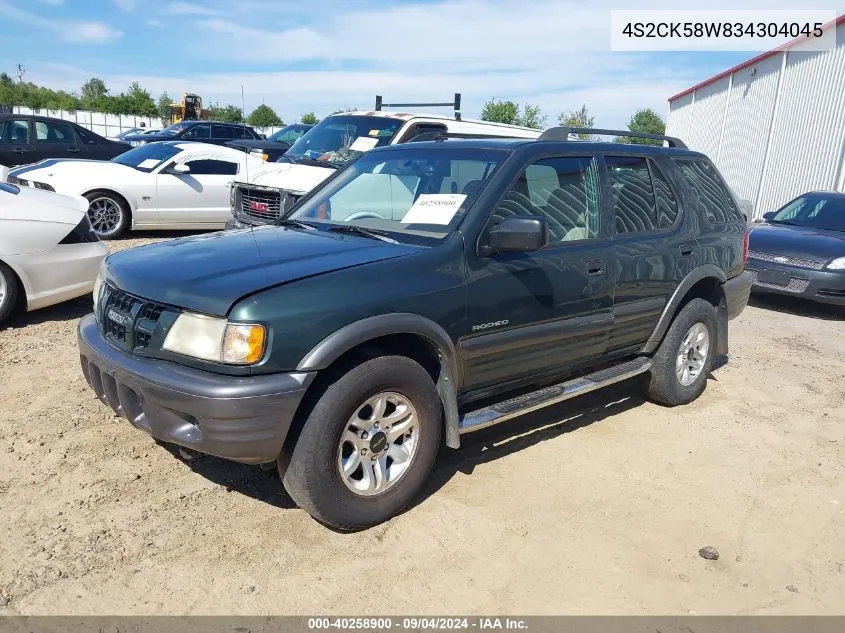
692, 354
379, 444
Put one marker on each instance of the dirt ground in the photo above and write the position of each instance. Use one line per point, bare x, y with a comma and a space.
596, 506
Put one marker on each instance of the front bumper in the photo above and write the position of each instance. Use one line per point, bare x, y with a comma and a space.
240, 418
823, 286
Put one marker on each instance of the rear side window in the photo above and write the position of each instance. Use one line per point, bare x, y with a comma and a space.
643, 201
710, 194
14, 132
222, 131
51, 132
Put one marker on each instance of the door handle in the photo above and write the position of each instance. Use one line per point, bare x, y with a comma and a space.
687, 249
595, 267
74, 150
20, 150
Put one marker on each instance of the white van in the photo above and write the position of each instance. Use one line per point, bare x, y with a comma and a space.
262, 196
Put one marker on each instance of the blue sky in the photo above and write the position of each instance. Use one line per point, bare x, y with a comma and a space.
322, 55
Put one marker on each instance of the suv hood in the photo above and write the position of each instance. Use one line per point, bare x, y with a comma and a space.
797, 241
298, 179
209, 273
250, 143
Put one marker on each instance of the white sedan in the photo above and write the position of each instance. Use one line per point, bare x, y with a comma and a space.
48, 251
157, 186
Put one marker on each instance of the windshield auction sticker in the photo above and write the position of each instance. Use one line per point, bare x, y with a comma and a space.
363, 144
434, 208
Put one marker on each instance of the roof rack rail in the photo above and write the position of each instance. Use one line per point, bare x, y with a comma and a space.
442, 136
563, 133
455, 104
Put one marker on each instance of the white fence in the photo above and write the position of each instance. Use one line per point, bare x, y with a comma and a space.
111, 124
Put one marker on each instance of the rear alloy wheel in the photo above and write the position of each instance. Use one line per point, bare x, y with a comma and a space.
368, 445
685, 357
108, 214
8, 291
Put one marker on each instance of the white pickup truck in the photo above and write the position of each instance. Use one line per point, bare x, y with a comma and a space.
261, 196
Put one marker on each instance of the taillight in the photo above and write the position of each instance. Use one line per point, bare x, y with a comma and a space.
82, 233
745, 247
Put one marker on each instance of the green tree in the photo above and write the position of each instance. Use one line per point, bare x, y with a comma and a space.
226, 114
647, 121
510, 113
531, 116
309, 118
577, 118
93, 95
500, 112
139, 101
264, 116
163, 105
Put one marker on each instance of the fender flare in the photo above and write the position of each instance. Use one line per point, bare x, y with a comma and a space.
354, 334
692, 278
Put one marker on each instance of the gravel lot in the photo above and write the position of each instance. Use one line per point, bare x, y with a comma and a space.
596, 506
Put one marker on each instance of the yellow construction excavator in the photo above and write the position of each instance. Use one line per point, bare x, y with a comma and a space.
190, 109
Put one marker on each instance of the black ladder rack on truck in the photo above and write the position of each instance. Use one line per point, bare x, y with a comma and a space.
455, 104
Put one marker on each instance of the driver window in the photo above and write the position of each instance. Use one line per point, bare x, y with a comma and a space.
199, 131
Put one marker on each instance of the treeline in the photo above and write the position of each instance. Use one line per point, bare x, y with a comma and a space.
95, 96
645, 120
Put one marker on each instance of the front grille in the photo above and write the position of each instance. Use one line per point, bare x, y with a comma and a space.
796, 284
127, 320
789, 261
263, 205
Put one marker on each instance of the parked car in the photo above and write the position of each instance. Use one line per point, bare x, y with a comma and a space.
799, 250
28, 138
121, 135
332, 144
48, 251
200, 131
272, 148
168, 185
424, 291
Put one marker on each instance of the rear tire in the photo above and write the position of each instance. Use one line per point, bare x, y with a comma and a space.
685, 357
8, 292
368, 446
109, 214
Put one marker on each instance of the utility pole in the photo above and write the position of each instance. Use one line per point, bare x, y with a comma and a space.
20, 72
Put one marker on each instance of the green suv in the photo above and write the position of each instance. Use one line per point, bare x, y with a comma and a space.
427, 290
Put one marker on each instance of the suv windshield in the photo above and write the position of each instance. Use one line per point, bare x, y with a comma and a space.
413, 195
815, 212
336, 140
147, 157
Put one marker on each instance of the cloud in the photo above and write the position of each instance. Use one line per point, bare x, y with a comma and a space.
55, 3
156, 24
68, 31
188, 8
331, 53
126, 5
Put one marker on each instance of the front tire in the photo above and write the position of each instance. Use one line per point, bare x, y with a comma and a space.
685, 357
368, 446
8, 292
109, 214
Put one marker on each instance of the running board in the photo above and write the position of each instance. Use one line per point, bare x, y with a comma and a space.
514, 407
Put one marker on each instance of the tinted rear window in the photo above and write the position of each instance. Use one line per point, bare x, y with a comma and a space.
710, 194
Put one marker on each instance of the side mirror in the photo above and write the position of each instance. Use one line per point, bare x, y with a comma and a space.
179, 169
518, 235
769, 216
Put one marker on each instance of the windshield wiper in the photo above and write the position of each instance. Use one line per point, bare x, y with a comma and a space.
363, 232
787, 222
298, 223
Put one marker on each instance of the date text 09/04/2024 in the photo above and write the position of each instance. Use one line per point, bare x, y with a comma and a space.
722, 29
416, 624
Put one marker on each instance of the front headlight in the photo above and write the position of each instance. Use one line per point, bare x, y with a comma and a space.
98, 285
217, 340
837, 264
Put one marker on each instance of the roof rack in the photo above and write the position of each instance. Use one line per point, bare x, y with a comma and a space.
563, 133
442, 136
455, 104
